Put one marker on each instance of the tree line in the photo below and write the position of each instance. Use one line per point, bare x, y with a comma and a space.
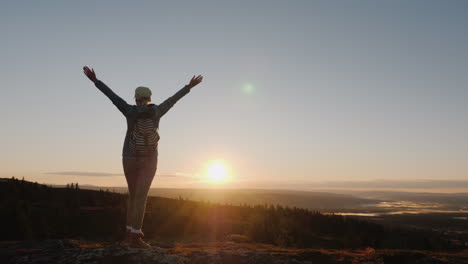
35, 211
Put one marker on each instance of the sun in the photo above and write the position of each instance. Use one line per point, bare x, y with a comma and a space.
216, 171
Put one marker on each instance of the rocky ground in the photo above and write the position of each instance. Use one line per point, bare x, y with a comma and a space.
77, 252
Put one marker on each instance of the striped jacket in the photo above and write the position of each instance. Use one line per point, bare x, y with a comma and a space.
134, 112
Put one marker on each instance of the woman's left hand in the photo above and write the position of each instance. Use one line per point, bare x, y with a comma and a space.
195, 81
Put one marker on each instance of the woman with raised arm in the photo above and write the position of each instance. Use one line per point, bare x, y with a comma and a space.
140, 148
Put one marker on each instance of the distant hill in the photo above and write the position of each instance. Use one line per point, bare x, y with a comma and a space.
302, 199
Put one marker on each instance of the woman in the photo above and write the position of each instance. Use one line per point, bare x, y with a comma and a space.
140, 149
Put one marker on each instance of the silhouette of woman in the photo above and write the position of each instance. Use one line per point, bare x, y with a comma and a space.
140, 148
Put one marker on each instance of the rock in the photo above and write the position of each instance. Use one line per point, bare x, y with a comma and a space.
80, 252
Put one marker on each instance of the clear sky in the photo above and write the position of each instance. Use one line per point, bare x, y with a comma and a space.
294, 92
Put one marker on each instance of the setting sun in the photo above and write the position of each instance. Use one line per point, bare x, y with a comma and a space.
217, 171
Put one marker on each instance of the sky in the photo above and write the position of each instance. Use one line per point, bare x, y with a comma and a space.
295, 93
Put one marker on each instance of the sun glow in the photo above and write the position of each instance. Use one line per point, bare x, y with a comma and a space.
217, 171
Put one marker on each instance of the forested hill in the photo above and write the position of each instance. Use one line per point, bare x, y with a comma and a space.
34, 211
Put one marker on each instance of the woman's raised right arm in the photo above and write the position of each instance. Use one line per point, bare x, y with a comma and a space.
116, 100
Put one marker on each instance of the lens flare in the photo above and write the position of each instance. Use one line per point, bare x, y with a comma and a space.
248, 88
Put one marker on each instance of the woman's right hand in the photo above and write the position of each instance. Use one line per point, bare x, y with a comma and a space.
90, 73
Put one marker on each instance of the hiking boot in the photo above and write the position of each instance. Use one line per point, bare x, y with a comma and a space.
135, 241
127, 237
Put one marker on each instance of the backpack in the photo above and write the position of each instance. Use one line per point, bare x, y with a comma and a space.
144, 137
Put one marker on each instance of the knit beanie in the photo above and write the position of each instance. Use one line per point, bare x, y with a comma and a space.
142, 92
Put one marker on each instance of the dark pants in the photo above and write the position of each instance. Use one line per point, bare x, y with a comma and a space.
139, 173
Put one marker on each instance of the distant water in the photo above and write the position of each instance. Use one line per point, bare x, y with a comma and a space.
405, 207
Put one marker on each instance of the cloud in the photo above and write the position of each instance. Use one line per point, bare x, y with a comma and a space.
178, 176
85, 173
107, 174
